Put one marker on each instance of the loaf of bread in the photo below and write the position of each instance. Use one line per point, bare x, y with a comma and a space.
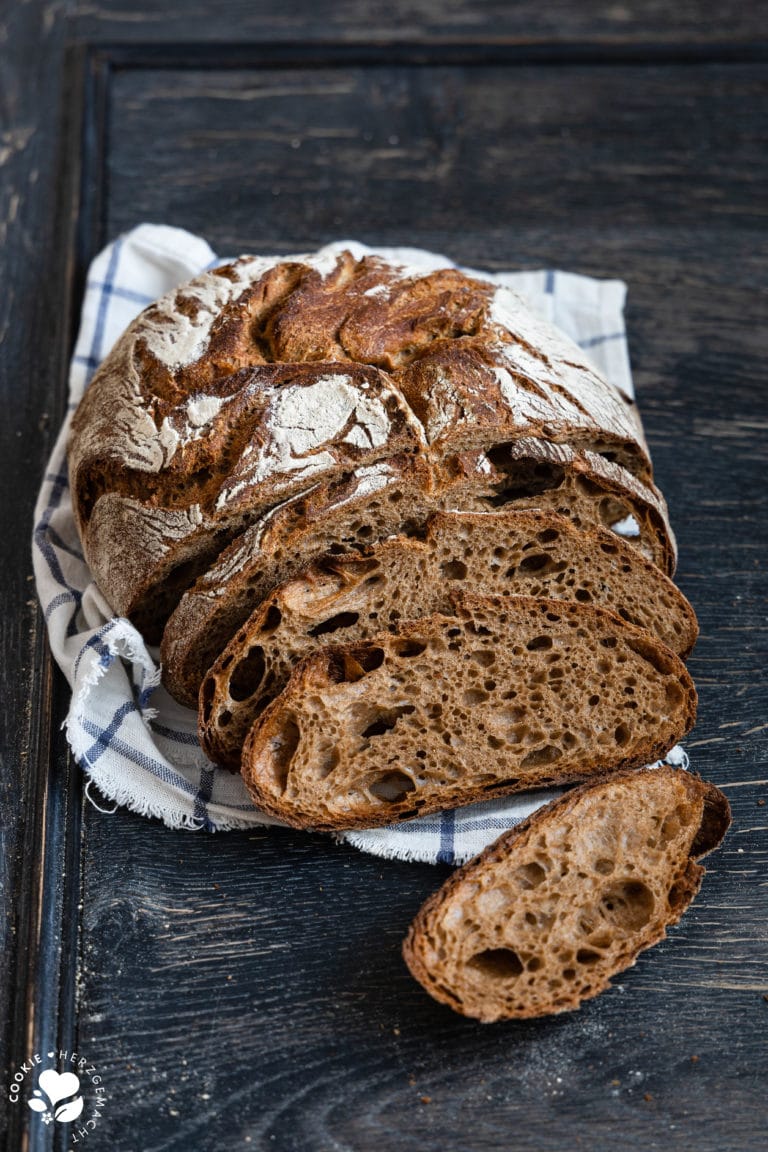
400, 543
511, 693
262, 378
552, 910
347, 599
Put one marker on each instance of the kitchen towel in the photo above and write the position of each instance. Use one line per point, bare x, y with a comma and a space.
133, 741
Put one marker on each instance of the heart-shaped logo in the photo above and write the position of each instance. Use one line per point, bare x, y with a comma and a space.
58, 1085
58, 1096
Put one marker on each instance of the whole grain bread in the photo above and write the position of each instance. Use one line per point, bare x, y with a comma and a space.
260, 378
545, 916
347, 599
376, 502
512, 693
226, 458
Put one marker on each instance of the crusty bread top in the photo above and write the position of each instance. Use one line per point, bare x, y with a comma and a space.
257, 378
511, 693
544, 917
194, 360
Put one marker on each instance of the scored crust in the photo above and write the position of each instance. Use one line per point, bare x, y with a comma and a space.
346, 599
549, 912
262, 377
512, 693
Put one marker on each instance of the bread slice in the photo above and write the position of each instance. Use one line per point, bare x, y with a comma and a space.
512, 693
546, 915
347, 599
390, 498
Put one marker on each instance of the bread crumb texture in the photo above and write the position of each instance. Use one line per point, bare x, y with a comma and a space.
351, 598
513, 693
549, 913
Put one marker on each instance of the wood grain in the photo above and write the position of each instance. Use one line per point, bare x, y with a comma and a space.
523, 166
252, 986
247, 988
626, 21
36, 221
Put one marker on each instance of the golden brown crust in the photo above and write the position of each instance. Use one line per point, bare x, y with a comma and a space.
683, 883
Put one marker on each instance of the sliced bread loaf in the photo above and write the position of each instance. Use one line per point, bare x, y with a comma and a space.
257, 379
512, 693
170, 480
391, 498
349, 599
552, 910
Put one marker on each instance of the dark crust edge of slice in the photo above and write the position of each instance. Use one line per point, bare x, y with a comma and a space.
715, 822
303, 672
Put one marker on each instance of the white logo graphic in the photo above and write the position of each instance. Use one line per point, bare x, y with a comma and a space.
57, 1086
62, 1097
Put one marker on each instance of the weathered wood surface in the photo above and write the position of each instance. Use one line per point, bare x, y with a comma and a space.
248, 988
560, 21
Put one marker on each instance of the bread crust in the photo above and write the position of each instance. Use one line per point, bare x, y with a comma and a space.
714, 822
591, 491
531, 473
279, 546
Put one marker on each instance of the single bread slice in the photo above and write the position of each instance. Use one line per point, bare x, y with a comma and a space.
546, 915
512, 693
347, 599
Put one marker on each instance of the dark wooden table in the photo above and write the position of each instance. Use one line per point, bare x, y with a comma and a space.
246, 990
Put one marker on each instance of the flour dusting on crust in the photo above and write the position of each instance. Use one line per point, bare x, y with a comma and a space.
301, 424
176, 339
543, 355
202, 409
367, 481
220, 382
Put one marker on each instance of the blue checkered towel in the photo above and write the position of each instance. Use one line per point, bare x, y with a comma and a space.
134, 742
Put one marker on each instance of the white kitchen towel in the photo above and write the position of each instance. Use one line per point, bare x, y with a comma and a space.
137, 745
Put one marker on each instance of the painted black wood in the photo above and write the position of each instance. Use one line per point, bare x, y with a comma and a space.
247, 988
